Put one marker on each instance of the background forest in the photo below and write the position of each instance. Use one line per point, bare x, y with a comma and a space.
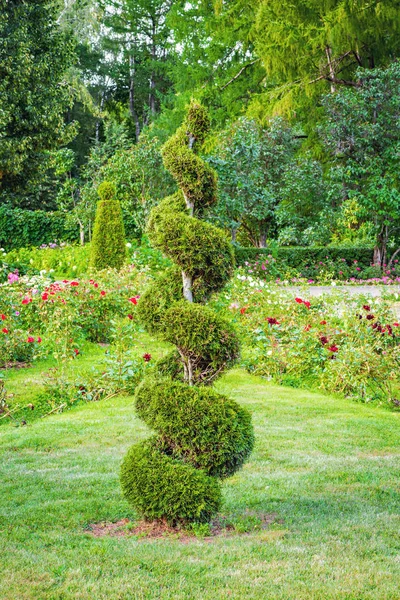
304, 100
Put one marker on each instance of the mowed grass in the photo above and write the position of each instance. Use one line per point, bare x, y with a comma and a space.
327, 469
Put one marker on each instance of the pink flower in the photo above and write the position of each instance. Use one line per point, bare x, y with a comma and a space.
13, 278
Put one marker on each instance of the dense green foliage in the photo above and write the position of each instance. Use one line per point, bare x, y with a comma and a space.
34, 94
201, 435
20, 228
108, 245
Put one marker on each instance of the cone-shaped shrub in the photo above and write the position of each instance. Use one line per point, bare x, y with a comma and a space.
108, 243
201, 436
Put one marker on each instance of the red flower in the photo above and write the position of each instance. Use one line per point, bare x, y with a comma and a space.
272, 321
26, 300
76, 351
307, 328
130, 317
324, 340
323, 323
366, 307
134, 299
39, 340
396, 324
102, 293
30, 340
45, 296
3, 317
147, 357
96, 285
74, 283
333, 348
4, 330
299, 300
243, 310
307, 303
370, 317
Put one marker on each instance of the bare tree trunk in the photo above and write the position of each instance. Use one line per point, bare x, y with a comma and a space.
187, 281
263, 240
233, 235
328, 51
132, 71
81, 233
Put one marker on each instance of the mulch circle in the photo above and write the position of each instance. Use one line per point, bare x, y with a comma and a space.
151, 530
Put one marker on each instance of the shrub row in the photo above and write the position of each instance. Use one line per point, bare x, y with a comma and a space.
298, 256
21, 228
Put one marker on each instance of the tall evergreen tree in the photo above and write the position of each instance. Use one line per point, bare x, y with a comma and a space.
34, 94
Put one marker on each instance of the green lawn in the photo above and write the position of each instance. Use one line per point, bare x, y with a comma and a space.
327, 469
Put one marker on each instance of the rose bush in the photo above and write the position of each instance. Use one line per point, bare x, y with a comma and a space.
338, 343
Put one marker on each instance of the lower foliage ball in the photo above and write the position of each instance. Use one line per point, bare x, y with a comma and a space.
158, 486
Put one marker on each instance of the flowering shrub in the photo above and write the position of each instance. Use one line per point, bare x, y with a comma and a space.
63, 313
323, 272
337, 343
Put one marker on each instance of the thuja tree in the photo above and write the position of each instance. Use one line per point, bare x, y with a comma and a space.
108, 243
201, 436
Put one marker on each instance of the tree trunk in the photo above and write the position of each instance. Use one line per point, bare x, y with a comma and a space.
81, 233
187, 286
132, 71
262, 243
328, 51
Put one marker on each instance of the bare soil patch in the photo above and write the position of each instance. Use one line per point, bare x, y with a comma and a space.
145, 530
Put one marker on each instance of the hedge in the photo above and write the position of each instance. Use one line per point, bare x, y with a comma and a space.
297, 256
21, 228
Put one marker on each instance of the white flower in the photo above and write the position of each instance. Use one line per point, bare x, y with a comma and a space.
333, 283
31, 261
128, 245
269, 353
74, 268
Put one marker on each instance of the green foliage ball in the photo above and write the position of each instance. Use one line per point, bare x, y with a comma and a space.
207, 339
159, 486
108, 248
197, 425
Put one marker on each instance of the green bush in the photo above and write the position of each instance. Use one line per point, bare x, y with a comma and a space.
108, 248
197, 425
23, 228
298, 257
161, 487
206, 341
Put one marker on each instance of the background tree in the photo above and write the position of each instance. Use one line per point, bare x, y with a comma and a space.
34, 93
362, 131
310, 46
251, 163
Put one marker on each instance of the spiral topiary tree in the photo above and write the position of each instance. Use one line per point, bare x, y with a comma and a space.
108, 243
201, 436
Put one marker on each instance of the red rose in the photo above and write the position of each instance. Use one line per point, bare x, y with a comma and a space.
307, 303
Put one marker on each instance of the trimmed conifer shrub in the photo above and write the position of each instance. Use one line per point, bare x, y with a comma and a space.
201, 436
108, 248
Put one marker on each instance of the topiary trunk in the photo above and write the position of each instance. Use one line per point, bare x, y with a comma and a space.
108, 249
201, 436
